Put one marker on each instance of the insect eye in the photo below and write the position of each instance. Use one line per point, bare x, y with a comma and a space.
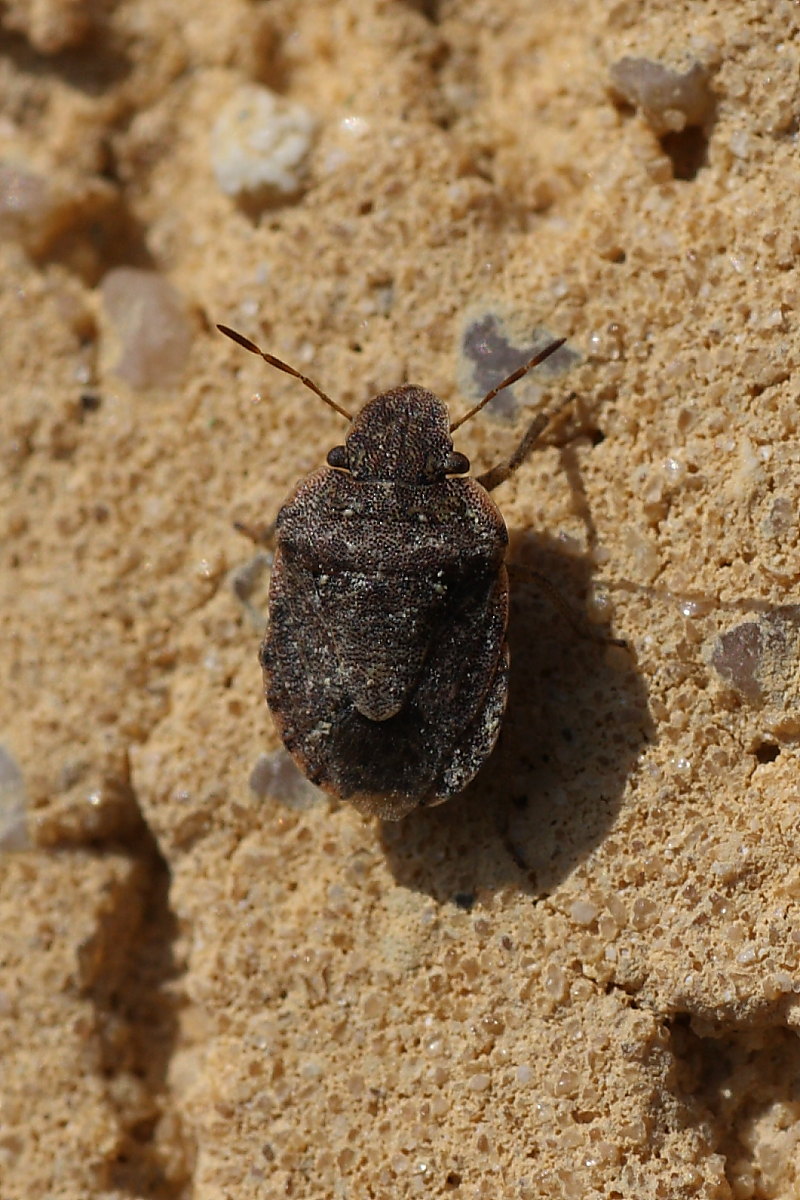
337, 457
456, 464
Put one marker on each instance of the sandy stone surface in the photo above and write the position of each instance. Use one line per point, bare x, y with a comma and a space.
580, 979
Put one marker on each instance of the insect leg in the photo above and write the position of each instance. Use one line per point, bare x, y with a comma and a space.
499, 474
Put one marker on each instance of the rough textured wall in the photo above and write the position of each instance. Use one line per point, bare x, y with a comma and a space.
581, 978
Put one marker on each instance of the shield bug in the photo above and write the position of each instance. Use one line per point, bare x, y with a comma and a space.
385, 658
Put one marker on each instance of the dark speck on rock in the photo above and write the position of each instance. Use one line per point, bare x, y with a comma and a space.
491, 356
759, 658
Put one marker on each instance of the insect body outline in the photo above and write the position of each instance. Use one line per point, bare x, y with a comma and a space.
385, 659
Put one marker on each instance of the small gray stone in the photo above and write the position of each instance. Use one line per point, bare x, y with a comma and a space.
276, 776
148, 317
13, 805
668, 100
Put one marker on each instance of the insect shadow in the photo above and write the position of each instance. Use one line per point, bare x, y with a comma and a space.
576, 721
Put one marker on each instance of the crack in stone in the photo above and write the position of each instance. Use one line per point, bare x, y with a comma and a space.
131, 973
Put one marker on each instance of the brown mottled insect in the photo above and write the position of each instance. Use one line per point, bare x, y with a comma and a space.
385, 660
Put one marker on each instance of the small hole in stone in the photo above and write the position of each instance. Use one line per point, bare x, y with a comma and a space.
766, 752
688, 151
428, 8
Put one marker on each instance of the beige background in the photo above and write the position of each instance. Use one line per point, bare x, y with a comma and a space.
581, 978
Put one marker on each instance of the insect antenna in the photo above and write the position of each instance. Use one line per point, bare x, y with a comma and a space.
512, 378
282, 366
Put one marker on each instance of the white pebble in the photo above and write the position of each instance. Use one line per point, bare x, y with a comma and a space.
583, 912
260, 142
479, 1083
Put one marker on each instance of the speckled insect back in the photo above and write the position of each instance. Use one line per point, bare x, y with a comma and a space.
385, 659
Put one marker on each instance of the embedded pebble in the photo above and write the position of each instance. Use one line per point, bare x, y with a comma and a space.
758, 658
479, 1083
24, 201
260, 143
276, 776
736, 657
149, 322
34, 210
39, 207
668, 100
583, 912
13, 805
554, 981
245, 581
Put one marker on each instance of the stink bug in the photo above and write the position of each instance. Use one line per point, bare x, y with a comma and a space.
385, 659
